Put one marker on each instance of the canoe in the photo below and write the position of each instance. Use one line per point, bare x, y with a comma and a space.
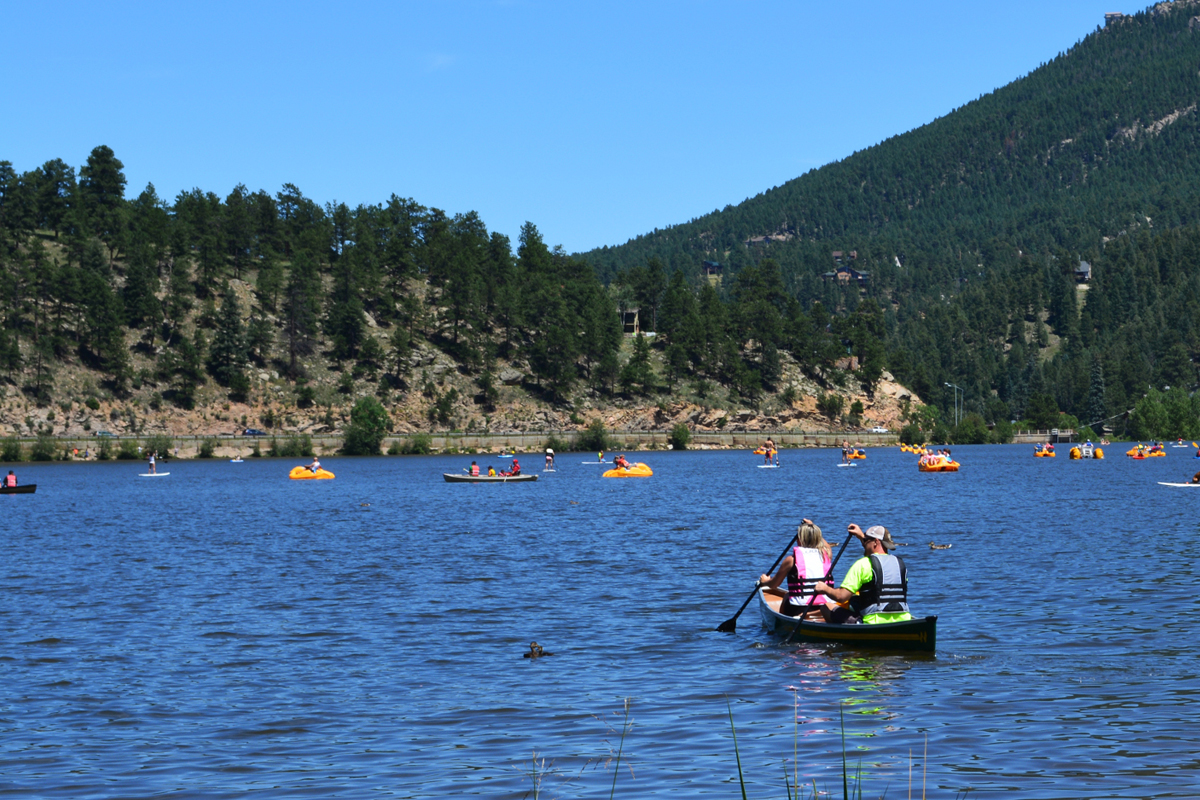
306, 474
638, 470
462, 477
28, 488
1193, 485
915, 634
945, 466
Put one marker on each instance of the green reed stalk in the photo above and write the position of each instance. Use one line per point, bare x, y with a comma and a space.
620, 748
737, 755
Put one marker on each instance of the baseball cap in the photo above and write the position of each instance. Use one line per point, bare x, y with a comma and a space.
881, 533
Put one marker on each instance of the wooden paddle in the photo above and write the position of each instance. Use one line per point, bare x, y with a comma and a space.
730, 625
828, 575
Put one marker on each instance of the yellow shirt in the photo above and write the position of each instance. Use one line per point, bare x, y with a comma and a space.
860, 575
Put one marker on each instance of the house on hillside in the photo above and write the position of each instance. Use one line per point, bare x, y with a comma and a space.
846, 275
712, 268
629, 321
1113, 16
1083, 273
839, 256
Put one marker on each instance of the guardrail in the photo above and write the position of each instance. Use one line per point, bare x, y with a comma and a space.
525, 441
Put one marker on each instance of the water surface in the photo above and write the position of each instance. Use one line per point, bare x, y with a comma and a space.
226, 632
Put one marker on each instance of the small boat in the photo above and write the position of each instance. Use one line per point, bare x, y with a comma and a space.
153, 474
941, 466
456, 477
235, 461
1193, 485
915, 634
306, 474
638, 470
28, 488
1041, 453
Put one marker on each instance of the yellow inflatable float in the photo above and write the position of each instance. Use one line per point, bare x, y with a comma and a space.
638, 470
857, 454
306, 474
939, 466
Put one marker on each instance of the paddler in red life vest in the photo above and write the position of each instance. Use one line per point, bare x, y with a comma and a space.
474, 470
516, 468
10, 480
620, 463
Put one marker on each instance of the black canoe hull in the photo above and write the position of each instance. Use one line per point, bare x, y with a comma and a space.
916, 634
28, 488
464, 478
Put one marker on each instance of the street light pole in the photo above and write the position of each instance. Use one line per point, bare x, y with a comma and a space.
957, 402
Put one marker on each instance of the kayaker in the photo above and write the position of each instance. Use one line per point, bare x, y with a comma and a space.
876, 586
10, 480
491, 472
516, 468
808, 564
474, 470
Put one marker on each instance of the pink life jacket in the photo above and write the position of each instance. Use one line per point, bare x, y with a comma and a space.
10, 480
808, 567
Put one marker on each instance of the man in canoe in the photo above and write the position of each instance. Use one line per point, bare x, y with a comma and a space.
875, 588
10, 480
474, 470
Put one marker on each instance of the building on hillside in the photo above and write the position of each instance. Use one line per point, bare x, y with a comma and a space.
712, 268
1113, 16
839, 256
629, 321
1083, 273
846, 275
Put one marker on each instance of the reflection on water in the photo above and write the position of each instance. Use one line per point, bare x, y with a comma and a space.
232, 632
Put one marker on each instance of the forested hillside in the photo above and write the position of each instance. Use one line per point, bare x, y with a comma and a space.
282, 305
970, 231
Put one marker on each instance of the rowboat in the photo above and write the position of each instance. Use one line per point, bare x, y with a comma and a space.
454, 477
915, 634
28, 488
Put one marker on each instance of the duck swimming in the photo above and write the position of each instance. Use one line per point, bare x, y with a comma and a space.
933, 546
535, 651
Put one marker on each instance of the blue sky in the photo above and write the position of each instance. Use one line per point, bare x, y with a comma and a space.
595, 121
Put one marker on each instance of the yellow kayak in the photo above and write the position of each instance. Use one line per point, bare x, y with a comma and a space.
306, 474
638, 470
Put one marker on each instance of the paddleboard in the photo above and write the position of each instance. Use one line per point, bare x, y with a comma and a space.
595, 462
235, 461
549, 470
847, 465
153, 474
1195, 485
768, 466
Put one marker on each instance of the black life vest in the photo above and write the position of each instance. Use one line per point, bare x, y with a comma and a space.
888, 590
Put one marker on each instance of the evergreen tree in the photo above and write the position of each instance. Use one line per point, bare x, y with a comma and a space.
102, 192
227, 356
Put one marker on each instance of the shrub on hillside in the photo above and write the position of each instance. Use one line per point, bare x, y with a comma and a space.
419, 444
43, 449
593, 438
368, 425
680, 437
128, 451
11, 450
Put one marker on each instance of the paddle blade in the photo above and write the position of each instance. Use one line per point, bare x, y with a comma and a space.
728, 626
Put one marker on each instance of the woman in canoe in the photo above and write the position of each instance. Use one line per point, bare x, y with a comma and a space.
807, 565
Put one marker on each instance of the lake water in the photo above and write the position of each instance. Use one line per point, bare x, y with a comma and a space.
226, 632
